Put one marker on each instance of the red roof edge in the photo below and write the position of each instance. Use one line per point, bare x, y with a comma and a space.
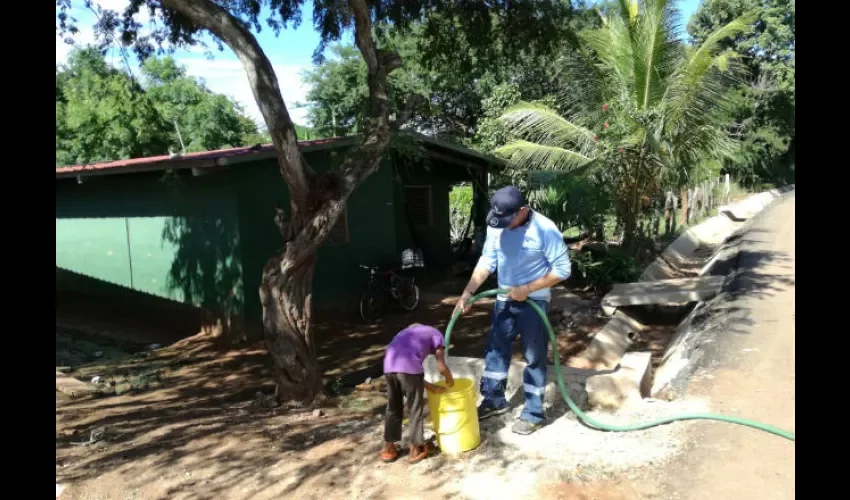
151, 161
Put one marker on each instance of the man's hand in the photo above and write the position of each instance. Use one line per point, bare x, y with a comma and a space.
518, 293
461, 303
479, 276
436, 389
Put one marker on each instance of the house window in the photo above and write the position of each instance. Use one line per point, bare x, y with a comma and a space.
339, 233
419, 205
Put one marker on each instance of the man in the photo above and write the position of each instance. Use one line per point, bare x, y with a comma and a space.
529, 252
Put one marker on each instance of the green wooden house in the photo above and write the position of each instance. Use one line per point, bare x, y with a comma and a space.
198, 228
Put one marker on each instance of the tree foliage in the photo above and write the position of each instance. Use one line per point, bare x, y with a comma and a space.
317, 200
205, 120
641, 108
448, 71
102, 114
537, 23
338, 92
764, 111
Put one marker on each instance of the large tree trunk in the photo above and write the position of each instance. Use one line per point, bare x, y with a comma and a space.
287, 322
316, 201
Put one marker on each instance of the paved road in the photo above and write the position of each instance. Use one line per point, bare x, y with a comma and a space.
752, 376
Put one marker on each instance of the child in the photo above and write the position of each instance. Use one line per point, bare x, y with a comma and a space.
406, 378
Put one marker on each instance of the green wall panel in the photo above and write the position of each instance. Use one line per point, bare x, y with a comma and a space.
94, 247
153, 256
183, 238
204, 240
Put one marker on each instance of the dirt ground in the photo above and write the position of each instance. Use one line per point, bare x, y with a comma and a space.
208, 432
194, 420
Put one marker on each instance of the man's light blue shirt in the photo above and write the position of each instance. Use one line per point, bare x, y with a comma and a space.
526, 253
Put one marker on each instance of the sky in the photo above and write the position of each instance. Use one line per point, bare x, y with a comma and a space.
290, 53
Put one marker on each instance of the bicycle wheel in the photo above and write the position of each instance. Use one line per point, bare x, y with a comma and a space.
407, 294
370, 306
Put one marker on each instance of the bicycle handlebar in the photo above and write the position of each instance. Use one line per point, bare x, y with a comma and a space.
377, 269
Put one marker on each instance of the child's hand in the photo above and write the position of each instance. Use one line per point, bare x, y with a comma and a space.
450, 381
436, 389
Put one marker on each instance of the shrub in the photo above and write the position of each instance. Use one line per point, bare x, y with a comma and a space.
606, 269
571, 201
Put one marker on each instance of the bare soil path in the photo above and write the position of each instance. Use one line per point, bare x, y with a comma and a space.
751, 374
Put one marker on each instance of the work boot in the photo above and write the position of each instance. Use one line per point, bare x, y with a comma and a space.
525, 427
487, 411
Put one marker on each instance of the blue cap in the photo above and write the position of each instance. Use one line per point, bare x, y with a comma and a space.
504, 206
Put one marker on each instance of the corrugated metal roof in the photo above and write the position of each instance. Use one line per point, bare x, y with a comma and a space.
222, 157
151, 161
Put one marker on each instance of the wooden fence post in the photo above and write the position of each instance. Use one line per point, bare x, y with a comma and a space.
673, 220
656, 220
692, 195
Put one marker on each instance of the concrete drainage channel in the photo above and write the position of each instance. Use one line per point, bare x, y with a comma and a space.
682, 284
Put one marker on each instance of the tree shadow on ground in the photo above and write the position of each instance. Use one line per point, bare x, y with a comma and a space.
206, 419
351, 352
206, 435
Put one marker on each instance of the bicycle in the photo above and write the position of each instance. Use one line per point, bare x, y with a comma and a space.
383, 285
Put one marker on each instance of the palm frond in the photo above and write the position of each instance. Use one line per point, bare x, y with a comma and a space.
530, 156
704, 100
712, 45
698, 89
543, 125
589, 83
628, 11
612, 47
657, 50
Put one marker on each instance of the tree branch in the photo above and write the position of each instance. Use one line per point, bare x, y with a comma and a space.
315, 205
264, 85
376, 137
379, 64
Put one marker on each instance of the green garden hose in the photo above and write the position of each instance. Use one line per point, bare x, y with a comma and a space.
599, 425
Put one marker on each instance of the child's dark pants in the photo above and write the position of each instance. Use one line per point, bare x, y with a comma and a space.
399, 386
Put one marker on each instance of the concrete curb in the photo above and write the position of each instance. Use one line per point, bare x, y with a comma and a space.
682, 355
713, 232
710, 232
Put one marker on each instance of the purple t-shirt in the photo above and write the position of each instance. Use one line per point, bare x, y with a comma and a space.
410, 347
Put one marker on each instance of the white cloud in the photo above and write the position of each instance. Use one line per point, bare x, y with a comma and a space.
223, 74
226, 76
120, 5
82, 38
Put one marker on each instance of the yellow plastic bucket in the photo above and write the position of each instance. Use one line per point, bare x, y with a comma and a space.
454, 416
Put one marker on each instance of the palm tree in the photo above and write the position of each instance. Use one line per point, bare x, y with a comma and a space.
642, 109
